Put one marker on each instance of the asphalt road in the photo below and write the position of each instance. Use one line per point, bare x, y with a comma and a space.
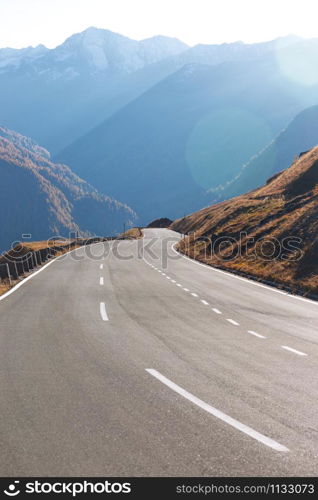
128, 366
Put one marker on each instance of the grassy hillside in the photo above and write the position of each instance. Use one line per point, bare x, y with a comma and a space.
46, 199
270, 233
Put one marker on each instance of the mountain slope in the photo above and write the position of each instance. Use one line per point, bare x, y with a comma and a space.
46, 199
190, 133
299, 136
269, 233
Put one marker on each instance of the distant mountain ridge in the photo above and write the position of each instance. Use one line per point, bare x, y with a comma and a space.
13, 58
46, 199
91, 51
72, 88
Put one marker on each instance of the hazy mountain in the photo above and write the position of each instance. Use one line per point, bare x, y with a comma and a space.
13, 58
59, 94
236, 51
46, 199
188, 134
261, 228
90, 52
299, 136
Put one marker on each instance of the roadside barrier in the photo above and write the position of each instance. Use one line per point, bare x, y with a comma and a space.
16, 263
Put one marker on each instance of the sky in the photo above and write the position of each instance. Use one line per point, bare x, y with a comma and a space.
50, 22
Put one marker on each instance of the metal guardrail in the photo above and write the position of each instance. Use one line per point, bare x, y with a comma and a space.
13, 268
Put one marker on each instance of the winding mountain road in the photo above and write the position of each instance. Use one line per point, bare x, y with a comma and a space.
149, 364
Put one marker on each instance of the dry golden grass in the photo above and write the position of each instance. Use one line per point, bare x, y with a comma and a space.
133, 233
286, 207
39, 245
4, 287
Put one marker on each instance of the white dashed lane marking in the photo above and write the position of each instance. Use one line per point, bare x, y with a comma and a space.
235, 323
256, 334
214, 309
217, 311
300, 353
103, 313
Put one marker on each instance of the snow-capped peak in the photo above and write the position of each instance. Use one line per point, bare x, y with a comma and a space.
93, 51
13, 57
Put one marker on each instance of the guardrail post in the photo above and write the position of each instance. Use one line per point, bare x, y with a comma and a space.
20, 269
25, 266
13, 267
38, 258
9, 275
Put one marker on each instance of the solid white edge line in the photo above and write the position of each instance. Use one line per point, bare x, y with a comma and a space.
256, 334
235, 323
251, 282
218, 414
101, 280
103, 313
231, 275
300, 353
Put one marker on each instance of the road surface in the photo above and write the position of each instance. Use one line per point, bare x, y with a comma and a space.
131, 366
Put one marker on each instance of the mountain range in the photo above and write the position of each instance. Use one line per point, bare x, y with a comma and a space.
165, 128
188, 134
56, 95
